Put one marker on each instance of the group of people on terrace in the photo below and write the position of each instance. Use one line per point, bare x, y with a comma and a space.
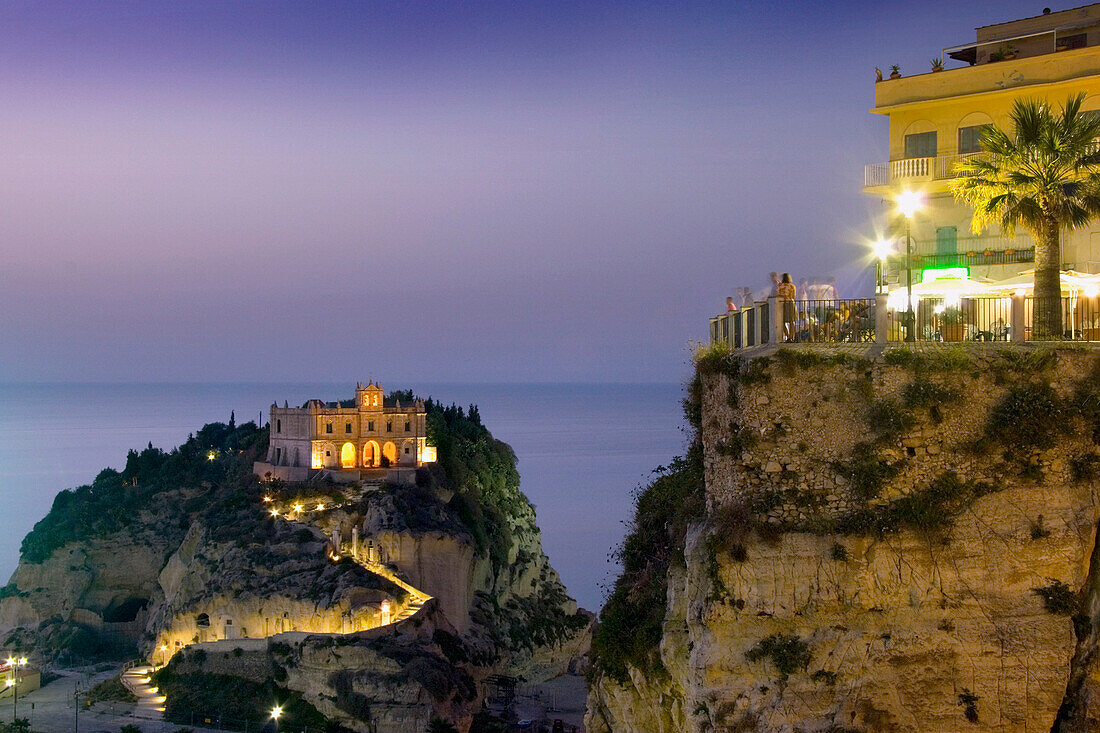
812, 310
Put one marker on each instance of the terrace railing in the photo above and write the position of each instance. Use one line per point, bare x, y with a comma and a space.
870, 320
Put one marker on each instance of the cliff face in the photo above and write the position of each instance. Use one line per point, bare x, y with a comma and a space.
901, 542
181, 552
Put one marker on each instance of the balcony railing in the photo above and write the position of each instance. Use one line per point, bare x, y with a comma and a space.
869, 320
986, 249
928, 168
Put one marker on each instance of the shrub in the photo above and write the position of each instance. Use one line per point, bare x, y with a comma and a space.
1028, 416
630, 627
1038, 531
969, 701
824, 676
111, 690
839, 552
934, 507
438, 725
866, 472
1058, 598
922, 393
717, 358
888, 418
1085, 467
786, 651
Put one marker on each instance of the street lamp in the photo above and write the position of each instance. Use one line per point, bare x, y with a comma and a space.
13, 682
275, 713
883, 249
909, 203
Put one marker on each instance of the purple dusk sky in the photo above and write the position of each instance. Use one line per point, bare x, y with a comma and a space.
511, 191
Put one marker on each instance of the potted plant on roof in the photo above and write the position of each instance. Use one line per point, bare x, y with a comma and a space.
953, 324
895, 72
937, 64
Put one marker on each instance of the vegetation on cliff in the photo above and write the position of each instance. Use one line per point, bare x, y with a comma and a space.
219, 455
630, 624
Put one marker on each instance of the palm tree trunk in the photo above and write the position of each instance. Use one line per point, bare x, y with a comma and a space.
1047, 303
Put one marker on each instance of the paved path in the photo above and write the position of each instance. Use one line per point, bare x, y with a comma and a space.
53, 710
150, 704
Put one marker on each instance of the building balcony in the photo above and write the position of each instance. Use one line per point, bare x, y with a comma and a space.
976, 251
913, 170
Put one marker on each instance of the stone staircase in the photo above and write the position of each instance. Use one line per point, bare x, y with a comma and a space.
150, 704
410, 610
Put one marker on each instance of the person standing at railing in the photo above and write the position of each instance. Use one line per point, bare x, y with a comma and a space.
786, 294
803, 305
731, 307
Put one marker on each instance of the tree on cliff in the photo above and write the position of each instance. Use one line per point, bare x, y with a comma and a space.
1043, 176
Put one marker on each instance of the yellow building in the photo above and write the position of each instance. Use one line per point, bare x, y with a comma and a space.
936, 119
364, 433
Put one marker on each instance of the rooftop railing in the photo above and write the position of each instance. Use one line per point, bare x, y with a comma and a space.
871, 320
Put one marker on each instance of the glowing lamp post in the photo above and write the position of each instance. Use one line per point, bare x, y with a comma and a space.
909, 203
275, 713
883, 249
13, 682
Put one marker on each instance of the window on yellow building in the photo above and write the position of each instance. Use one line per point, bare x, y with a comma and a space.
370, 425
328, 427
920, 145
1078, 40
389, 427
406, 426
347, 427
970, 138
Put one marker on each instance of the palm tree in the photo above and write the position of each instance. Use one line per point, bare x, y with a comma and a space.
1043, 176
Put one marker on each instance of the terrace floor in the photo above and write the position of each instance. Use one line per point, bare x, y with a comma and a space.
872, 350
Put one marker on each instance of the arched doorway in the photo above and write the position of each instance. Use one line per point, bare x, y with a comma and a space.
370, 453
408, 452
347, 456
329, 457
389, 452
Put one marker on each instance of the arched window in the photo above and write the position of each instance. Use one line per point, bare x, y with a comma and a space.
202, 621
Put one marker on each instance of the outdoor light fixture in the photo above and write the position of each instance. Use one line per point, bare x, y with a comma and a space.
274, 512
1092, 291
275, 713
882, 249
909, 203
267, 498
297, 507
320, 507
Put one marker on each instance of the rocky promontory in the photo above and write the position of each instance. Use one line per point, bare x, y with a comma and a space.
182, 558
866, 540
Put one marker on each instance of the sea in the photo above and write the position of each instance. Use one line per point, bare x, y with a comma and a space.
582, 449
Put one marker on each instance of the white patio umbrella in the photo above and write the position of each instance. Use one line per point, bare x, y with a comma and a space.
1073, 283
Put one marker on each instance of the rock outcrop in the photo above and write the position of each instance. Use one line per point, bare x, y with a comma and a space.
901, 541
187, 557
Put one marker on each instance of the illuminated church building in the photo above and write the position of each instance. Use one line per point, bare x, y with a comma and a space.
363, 433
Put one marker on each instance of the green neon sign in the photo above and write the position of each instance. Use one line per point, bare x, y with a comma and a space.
944, 273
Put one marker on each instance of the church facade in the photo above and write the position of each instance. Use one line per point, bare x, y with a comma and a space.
364, 433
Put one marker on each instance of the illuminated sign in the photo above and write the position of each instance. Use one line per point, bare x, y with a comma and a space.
944, 273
